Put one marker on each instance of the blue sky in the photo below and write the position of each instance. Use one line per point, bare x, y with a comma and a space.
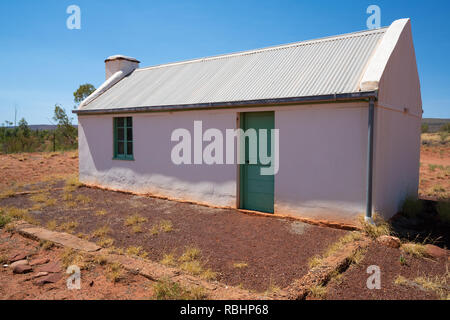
42, 62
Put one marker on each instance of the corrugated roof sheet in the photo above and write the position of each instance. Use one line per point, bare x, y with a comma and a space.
309, 68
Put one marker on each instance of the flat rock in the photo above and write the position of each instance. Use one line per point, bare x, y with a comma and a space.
51, 278
17, 256
61, 238
389, 241
52, 267
39, 274
39, 261
18, 263
435, 251
22, 268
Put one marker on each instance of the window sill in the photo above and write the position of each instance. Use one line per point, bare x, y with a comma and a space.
126, 159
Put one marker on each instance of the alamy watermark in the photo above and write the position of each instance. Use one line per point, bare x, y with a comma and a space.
374, 280
74, 280
74, 20
215, 153
374, 20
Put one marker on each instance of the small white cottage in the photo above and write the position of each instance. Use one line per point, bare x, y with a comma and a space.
341, 115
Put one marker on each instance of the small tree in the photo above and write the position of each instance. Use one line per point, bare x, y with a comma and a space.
83, 92
445, 127
66, 133
425, 128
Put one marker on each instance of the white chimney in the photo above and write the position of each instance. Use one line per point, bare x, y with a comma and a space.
120, 63
116, 68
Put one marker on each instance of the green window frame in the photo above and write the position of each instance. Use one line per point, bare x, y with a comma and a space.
123, 138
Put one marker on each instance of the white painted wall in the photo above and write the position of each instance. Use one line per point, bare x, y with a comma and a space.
397, 128
322, 159
396, 160
152, 171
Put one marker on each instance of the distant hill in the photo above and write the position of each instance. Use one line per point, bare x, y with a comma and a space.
43, 126
434, 124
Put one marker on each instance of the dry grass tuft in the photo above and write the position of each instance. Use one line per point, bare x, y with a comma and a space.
190, 262
166, 289
114, 272
14, 213
137, 251
105, 242
169, 260
84, 200
190, 254
52, 225
134, 220
68, 227
7, 193
337, 246
100, 212
46, 245
318, 291
101, 232
436, 284
380, 228
166, 225
415, 249
72, 257
240, 265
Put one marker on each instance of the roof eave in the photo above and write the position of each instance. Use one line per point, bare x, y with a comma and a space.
338, 97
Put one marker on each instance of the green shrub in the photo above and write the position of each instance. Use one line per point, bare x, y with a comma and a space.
4, 219
445, 127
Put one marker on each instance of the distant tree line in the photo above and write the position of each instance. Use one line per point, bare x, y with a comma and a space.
21, 138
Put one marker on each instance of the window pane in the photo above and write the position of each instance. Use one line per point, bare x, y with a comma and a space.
130, 148
120, 122
129, 122
121, 134
120, 148
129, 134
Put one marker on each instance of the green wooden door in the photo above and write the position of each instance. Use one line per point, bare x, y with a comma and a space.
256, 190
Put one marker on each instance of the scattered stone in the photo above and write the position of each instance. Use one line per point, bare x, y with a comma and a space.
39, 261
52, 267
18, 263
51, 278
22, 268
435, 251
17, 256
39, 274
389, 241
35, 276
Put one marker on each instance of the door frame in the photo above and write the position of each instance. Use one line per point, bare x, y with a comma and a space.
239, 171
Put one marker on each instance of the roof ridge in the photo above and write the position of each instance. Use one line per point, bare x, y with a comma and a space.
270, 48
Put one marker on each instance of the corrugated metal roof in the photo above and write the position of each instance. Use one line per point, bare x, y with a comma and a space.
330, 65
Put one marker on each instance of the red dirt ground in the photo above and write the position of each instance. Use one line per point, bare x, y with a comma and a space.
276, 251
353, 285
435, 172
19, 169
